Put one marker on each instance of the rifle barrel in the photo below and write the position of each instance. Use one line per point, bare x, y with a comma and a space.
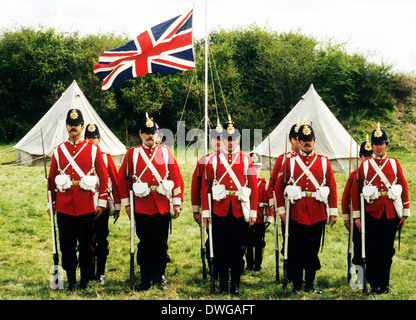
132, 225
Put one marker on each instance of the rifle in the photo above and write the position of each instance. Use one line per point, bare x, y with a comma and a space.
276, 227
211, 245
350, 232
132, 221
285, 252
57, 282
287, 210
363, 262
399, 229
203, 249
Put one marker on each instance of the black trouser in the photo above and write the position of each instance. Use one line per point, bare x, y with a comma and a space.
356, 240
380, 235
152, 231
73, 229
228, 235
254, 245
303, 249
100, 242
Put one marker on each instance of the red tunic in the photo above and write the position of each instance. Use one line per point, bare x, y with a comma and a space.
76, 201
308, 210
154, 203
113, 177
262, 200
276, 168
383, 203
346, 196
196, 183
221, 207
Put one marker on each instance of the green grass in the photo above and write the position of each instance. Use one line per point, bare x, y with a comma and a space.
26, 257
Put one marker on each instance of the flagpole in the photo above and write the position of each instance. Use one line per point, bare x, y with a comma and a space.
206, 79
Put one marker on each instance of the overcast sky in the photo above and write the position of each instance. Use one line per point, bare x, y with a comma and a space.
383, 30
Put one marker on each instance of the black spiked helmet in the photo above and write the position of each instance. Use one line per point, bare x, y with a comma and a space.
255, 158
306, 133
379, 136
91, 131
216, 132
231, 130
294, 131
74, 117
148, 125
366, 149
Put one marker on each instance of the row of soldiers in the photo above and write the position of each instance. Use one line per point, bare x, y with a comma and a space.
228, 196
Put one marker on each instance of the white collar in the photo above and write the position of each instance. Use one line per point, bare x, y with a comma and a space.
302, 153
378, 157
75, 142
225, 150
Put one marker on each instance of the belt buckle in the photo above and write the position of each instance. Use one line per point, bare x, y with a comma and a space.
231, 192
75, 182
153, 188
308, 194
383, 193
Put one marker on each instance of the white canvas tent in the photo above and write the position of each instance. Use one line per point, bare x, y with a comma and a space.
53, 125
332, 139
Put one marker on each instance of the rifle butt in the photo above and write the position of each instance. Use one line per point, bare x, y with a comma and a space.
132, 227
365, 290
349, 267
132, 280
285, 279
212, 284
204, 266
276, 254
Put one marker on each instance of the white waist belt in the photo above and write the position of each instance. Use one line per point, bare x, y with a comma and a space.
308, 194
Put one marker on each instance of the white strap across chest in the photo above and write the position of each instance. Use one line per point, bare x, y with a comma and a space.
149, 162
71, 160
379, 171
305, 170
230, 171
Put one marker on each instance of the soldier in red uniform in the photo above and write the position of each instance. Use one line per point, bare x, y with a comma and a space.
280, 161
294, 150
198, 175
233, 181
76, 167
365, 153
196, 182
157, 197
312, 191
386, 208
255, 242
101, 231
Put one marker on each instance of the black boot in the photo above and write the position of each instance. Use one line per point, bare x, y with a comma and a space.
235, 283
235, 289
158, 281
101, 261
145, 281
258, 258
374, 290
223, 277
249, 258
85, 278
72, 281
309, 280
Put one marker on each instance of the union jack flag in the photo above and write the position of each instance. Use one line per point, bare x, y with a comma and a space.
164, 48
